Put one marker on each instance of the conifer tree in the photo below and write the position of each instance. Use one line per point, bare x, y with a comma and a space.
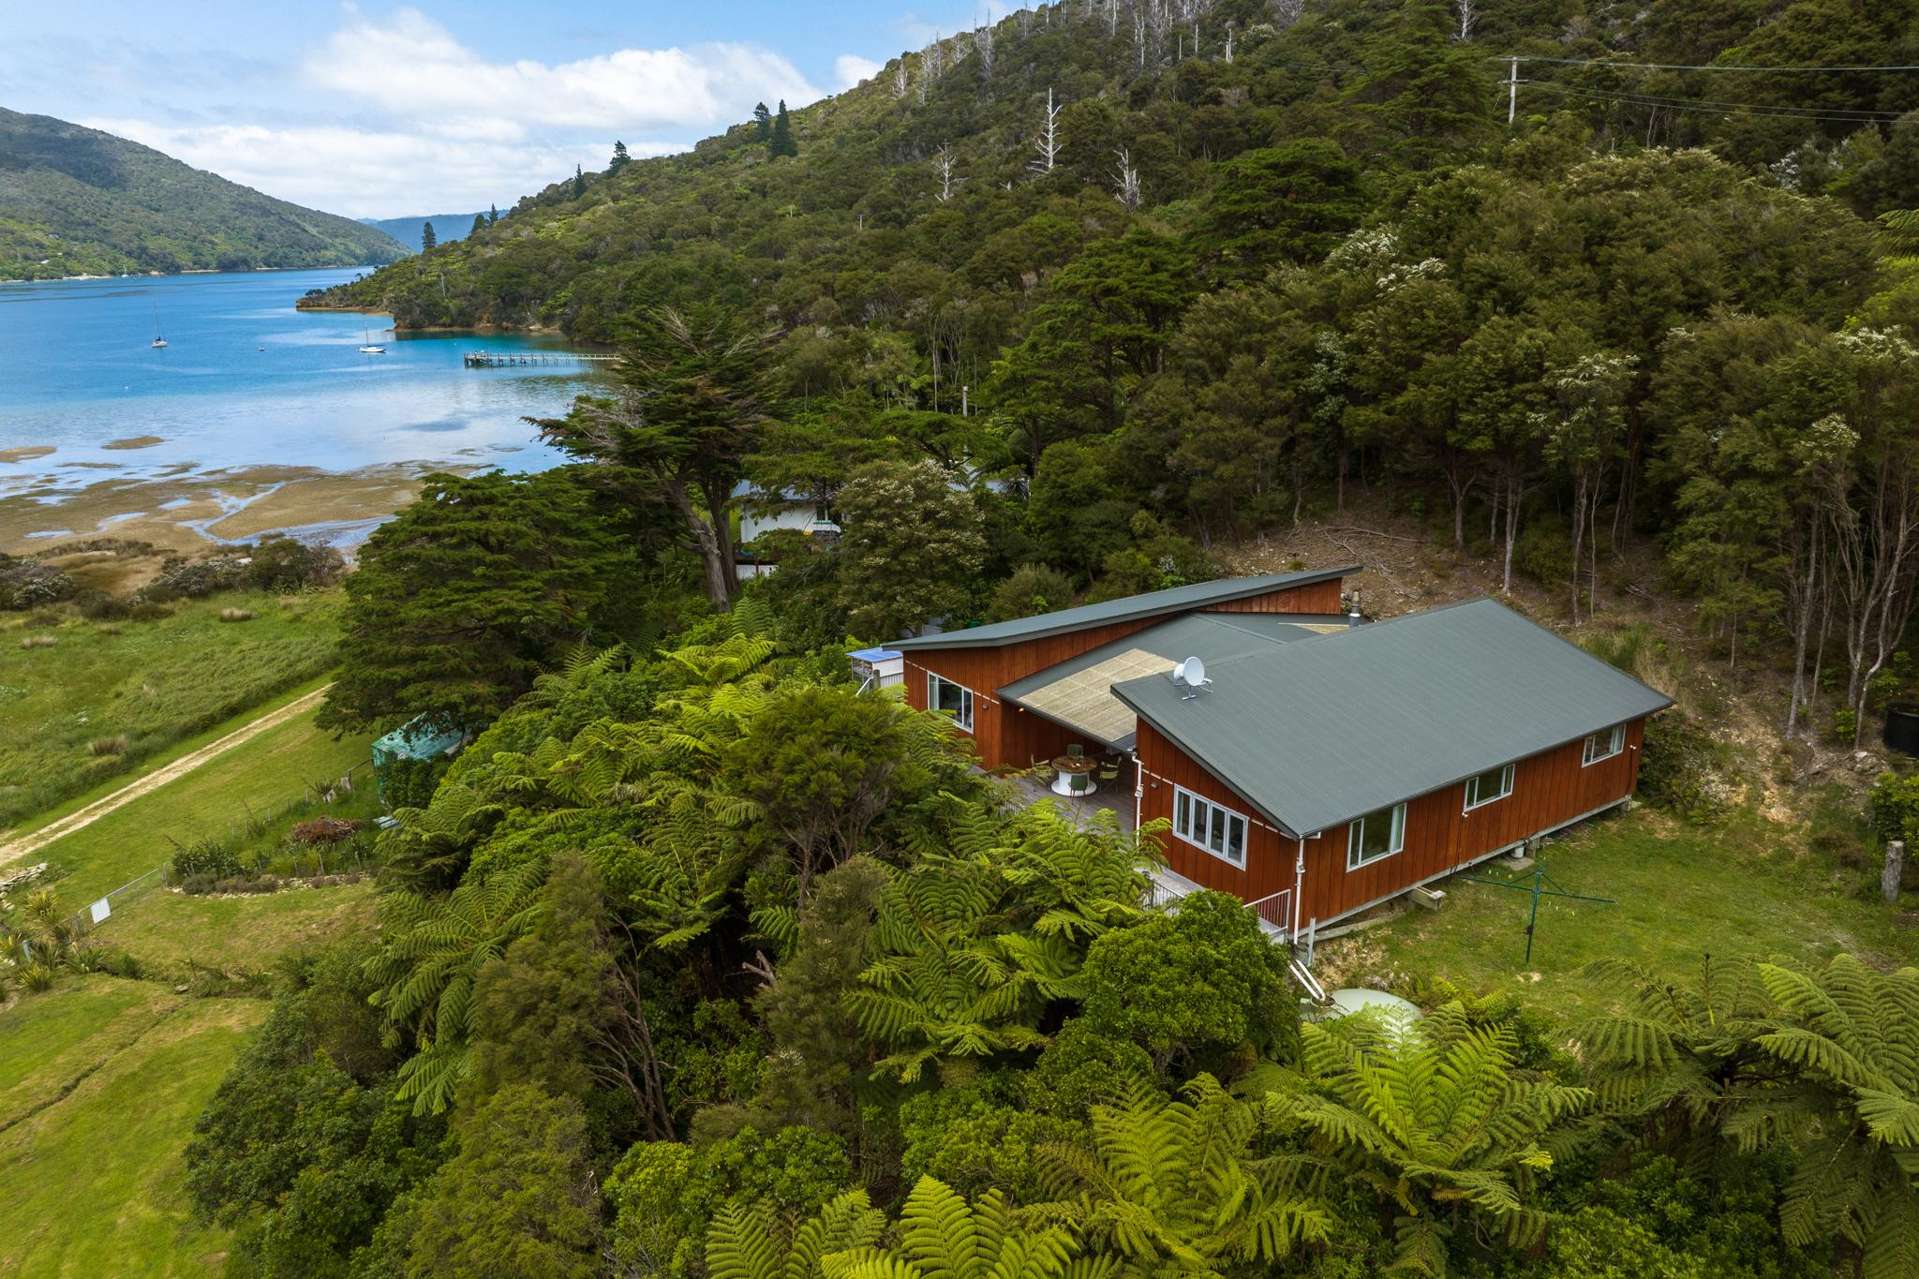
492, 214
479, 224
427, 239
781, 141
620, 158
762, 121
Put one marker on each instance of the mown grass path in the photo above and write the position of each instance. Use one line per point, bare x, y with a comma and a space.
36, 840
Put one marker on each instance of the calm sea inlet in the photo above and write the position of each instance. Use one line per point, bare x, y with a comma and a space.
247, 380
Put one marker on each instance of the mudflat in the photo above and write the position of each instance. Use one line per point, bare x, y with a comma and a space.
192, 511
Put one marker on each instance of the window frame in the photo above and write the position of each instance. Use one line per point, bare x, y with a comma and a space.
1355, 837
967, 701
1505, 772
1615, 741
1189, 805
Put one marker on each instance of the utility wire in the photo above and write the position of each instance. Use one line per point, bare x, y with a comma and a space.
1711, 107
1687, 66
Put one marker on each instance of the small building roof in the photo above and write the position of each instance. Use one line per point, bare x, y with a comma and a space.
880, 654
1177, 599
1078, 692
418, 738
1314, 735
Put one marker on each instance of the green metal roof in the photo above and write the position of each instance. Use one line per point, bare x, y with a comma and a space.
1177, 599
1057, 693
418, 738
1314, 735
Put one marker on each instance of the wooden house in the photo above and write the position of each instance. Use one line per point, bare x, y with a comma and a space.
1326, 763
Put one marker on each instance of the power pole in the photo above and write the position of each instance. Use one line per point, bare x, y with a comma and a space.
1512, 90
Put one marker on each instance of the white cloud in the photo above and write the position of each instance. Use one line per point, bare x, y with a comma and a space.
368, 173
414, 67
850, 69
438, 126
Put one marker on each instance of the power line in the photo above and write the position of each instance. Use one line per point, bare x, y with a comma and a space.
1712, 107
1688, 66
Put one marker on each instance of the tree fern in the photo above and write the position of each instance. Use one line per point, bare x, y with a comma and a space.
942, 1236
431, 950
753, 1244
1434, 1118
1178, 1183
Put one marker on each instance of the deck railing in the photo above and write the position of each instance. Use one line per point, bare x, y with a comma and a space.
1276, 909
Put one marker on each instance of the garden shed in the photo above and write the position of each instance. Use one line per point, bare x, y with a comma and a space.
417, 740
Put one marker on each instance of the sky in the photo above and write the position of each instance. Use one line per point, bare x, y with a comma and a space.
393, 110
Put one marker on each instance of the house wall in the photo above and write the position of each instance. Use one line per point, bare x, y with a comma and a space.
1011, 736
1549, 790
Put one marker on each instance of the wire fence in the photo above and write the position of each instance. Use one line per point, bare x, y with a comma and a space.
101, 909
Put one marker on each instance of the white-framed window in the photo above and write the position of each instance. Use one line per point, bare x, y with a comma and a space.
1493, 784
1375, 835
1209, 827
1604, 745
945, 697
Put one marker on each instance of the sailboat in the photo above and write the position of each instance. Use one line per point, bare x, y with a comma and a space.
159, 343
371, 348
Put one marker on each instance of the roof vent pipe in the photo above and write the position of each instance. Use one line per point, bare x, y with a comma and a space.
1356, 615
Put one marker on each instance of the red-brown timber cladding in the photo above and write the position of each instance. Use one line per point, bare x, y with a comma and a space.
1010, 735
1549, 790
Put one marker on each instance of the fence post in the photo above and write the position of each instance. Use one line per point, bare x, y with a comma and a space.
1894, 871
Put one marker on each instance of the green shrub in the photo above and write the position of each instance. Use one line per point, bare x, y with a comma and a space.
1844, 728
1033, 588
1544, 554
975, 1139
1892, 807
410, 783
204, 859
1679, 766
287, 564
1620, 648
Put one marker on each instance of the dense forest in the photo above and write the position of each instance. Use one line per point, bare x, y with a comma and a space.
699, 962
77, 201
1219, 264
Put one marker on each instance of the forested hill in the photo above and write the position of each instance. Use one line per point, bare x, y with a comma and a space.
917, 200
77, 201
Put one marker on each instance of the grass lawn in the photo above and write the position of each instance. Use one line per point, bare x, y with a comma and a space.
1740, 888
258, 777
165, 930
149, 683
102, 1082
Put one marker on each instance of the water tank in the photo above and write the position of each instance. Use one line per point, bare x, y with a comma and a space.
1902, 727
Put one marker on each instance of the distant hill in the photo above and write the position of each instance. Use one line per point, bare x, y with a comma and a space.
77, 201
447, 226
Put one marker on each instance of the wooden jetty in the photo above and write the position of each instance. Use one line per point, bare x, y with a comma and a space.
501, 359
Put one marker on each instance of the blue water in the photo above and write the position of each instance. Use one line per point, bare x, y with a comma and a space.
246, 380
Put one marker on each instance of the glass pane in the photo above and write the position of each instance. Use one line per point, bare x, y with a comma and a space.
1183, 815
1218, 838
1236, 840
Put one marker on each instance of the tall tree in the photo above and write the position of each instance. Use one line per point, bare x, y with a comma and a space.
620, 158
911, 548
428, 240
579, 181
465, 596
781, 141
762, 122
688, 410
479, 224
518, 1201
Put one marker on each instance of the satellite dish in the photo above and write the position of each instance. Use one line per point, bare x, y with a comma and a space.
1192, 674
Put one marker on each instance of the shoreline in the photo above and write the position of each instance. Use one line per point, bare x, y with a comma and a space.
198, 270
202, 511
